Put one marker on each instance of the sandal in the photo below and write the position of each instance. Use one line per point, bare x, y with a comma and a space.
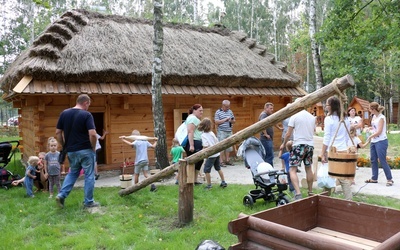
389, 183
371, 181
311, 193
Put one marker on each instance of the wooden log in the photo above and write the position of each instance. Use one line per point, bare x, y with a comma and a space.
304, 102
391, 243
186, 200
138, 137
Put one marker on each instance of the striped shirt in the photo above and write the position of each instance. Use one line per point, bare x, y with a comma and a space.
221, 115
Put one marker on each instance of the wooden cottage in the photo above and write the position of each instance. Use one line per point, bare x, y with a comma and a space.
110, 58
362, 109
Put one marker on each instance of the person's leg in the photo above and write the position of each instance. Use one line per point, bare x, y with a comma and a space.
294, 179
308, 160
269, 153
136, 173
381, 150
87, 163
374, 161
29, 186
207, 170
51, 185
346, 187
57, 182
73, 174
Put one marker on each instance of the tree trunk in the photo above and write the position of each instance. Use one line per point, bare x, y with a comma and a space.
305, 102
314, 46
156, 93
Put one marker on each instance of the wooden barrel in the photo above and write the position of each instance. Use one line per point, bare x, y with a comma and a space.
341, 163
126, 180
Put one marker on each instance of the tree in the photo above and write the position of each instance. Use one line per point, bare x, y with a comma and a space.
314, 46
156, 93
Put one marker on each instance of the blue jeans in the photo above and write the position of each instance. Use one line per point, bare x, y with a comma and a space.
378, 150
82, 159
269, 151
29, 186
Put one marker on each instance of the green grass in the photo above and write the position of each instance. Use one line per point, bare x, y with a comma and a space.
142, 220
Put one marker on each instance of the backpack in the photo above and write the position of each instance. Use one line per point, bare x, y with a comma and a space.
181, 134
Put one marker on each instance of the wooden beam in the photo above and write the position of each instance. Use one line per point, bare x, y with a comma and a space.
310, 99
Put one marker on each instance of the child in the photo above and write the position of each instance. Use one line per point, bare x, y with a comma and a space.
98, 149
176, 154
209, 139
53, 167
285, 162
30, 175
357, 141
141, 159
41, 182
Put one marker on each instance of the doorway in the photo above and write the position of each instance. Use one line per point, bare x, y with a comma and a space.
99, 123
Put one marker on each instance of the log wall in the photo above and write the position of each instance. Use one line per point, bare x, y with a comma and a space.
122, 114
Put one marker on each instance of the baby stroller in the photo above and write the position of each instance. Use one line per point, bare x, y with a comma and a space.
6, 153
267, 180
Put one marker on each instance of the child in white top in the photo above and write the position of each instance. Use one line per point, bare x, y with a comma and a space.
209, 139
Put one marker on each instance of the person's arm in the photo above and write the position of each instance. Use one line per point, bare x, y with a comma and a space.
191, 127
60, 137
28, 173
219, 122
105, 132
45, 167
127, 142
286, 138
154, 144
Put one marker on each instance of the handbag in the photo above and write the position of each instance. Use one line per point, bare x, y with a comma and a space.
323, 178
181, 134
63, 152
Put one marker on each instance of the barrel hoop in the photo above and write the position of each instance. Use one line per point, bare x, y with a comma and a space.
341, 175
341, 159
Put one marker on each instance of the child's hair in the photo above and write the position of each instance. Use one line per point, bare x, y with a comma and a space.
135, 132
289, 145
352, 130
175, 142
33, 160
42, 154
205, 125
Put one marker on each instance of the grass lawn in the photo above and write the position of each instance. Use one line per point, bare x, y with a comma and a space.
142, 220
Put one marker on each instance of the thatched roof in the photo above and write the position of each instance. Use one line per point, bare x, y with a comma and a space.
88, 47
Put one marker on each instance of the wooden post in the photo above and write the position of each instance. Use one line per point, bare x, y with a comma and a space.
186, 200
331, 89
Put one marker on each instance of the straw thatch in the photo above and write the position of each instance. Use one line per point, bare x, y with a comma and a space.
88, 47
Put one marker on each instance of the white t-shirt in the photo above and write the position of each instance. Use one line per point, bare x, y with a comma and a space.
209, 139
355, 121
98, 146
375, 124
331, 124
303, 124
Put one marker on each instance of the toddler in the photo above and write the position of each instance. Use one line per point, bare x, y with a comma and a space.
285, 162
176, 154
53, 167
209, 139
141, 159
30, 175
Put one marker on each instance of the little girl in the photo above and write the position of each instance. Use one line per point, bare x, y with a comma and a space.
30, 175
357, 141
209, 139
52, 166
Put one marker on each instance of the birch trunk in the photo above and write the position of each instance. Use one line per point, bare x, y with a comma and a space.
314, 46
156, 93
306, 101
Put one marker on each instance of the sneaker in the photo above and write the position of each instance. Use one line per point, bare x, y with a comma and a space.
298, 197
51, 196
92, 204
198, 183
96, 176
153, 188
223, 184
60, 201
208, 187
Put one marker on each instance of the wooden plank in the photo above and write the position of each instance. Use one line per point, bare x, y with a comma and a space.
21, 85
346, 238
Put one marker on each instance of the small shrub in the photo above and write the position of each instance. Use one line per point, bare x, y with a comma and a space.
363, 161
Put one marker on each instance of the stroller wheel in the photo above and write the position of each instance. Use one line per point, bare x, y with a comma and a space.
282, 201
248, 201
